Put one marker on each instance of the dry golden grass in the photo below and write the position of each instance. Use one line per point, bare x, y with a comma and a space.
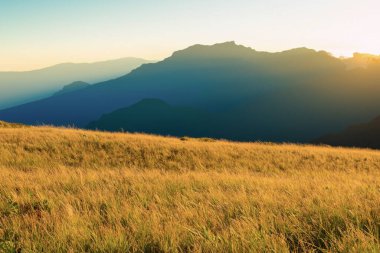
10, 125
67, 190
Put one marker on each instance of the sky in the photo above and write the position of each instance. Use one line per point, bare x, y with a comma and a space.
40, 33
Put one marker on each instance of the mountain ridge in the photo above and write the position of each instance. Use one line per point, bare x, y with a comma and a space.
20, 87
155, 116
58, 65
266, 96
74, 86
366, 135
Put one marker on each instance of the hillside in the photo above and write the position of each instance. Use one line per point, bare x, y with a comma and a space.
157, 117
26, 86
68, 190
10, 125
291, 96
363, 135
74, 86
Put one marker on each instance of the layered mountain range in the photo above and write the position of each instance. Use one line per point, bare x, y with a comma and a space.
26, 86
225, 91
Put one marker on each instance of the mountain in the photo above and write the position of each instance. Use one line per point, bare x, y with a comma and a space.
21, 87
360, 60
157, 117
78, 85
294, 95
363, 135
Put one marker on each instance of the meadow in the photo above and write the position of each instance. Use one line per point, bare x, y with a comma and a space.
69, 190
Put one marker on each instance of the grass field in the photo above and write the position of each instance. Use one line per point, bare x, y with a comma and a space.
67, 190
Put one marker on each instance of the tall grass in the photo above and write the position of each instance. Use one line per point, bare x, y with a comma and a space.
66, 190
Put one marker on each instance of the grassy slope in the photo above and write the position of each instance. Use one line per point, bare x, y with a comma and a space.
10, 125
71, 190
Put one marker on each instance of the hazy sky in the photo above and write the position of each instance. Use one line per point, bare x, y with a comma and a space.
38, 33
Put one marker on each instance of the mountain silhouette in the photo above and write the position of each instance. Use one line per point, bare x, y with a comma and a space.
21, 87
363, 136
78, 85
294, 95
157, 117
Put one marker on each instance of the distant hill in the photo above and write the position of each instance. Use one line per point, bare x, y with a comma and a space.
294, 95
21, 87
363, 135
156, 116
72, 87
